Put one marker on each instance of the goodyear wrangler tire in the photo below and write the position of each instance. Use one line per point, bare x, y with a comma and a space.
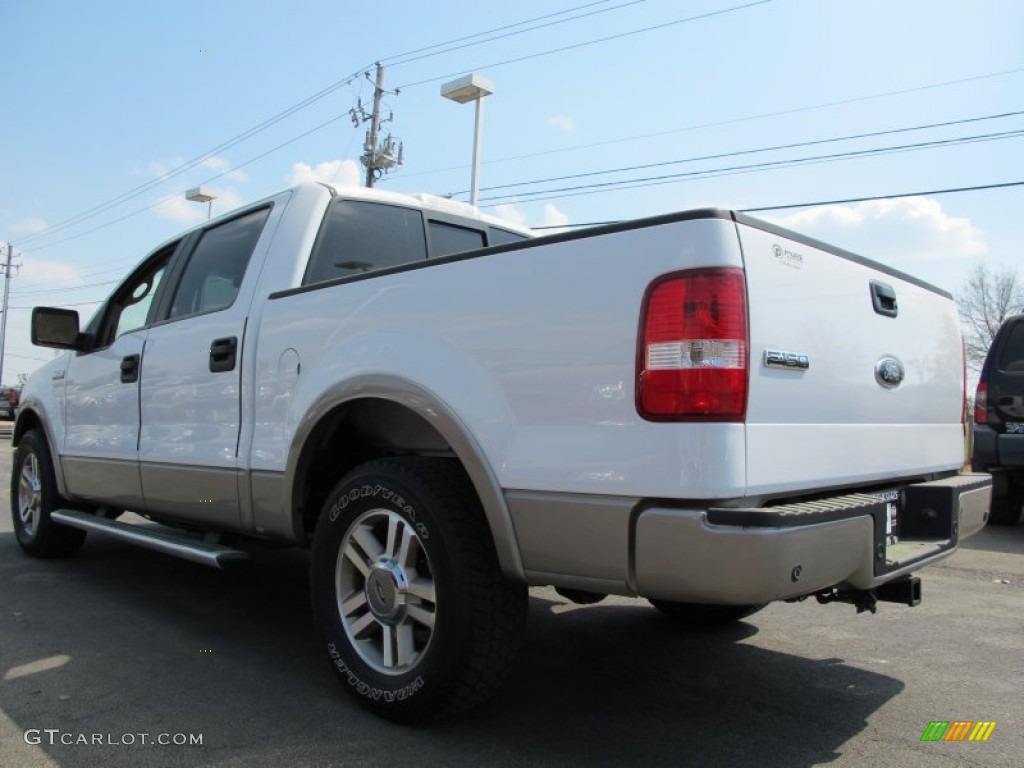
33, 497
699, 615
415, 615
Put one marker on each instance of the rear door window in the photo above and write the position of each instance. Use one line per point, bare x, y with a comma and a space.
358, 237
446, 239
503, 237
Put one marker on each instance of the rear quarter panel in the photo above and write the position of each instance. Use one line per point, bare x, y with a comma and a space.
533, 348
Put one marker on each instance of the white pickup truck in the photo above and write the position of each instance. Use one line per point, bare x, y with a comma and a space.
700, 409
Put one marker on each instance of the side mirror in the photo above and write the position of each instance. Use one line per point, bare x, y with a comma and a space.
52, 327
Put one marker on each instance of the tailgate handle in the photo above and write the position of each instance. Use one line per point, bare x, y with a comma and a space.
883, 298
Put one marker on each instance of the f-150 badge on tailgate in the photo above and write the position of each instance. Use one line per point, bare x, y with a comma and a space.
774, 358
889, 372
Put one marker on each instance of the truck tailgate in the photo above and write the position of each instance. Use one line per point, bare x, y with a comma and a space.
856, 370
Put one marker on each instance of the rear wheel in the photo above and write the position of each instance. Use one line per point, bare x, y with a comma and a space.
1005, 508
33, 497
415, 614
697, 615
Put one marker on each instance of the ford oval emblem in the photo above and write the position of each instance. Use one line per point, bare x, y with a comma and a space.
889, 372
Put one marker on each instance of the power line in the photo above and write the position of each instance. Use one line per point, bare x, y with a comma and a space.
490, 31
947, 191
351, 78
264, 125
649, 181
733, 121
519, 32
132, 193
820, 203
586, 43
61, 290
738, 153
177, 171
63, 306
165, 198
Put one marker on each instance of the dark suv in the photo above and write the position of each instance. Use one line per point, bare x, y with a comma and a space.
999, 422
9, 397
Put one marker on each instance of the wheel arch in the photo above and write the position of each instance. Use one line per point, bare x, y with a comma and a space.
28, 419
378, 415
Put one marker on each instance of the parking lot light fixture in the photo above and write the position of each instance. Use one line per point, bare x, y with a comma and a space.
471, 88
196, 195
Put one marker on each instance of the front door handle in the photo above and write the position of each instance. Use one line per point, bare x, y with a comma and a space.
222, 354
130, 369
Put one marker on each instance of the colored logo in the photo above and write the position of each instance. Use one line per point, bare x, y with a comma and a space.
958, 730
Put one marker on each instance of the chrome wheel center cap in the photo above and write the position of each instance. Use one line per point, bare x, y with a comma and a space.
386, 588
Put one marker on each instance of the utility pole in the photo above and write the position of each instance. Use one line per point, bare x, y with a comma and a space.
371, 140
379, 156
3, 323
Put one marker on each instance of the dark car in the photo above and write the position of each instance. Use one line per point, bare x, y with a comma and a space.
9, 398
999, 422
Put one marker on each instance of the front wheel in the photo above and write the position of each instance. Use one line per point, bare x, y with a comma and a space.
700, 615
33, 497
415, 614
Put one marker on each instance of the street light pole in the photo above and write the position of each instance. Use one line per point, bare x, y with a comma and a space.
474, 187
465, 89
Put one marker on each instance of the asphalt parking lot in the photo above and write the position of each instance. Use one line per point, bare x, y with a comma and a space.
119, 641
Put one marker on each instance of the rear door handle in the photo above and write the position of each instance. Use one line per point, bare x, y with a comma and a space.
129, 369
222, 354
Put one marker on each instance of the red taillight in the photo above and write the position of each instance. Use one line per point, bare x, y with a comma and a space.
692, 360
12, 398
981, 404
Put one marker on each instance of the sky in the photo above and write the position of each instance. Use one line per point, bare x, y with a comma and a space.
602, 111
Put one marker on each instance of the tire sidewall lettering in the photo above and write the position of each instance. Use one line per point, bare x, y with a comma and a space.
366, 689
400, 503
367, 684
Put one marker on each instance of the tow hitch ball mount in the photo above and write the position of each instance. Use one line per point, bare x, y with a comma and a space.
905, 591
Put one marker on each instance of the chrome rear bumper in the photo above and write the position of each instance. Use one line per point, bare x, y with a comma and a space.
750, 556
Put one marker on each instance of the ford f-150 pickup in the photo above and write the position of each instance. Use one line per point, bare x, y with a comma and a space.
700, 409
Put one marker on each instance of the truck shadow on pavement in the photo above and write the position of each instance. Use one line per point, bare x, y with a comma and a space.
119, 640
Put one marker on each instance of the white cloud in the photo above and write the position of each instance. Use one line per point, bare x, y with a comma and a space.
30, 226
896, 231
343, 173
554, 218
177, 208
160, 168
49, 272
563, 123
220, 165
510, 212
